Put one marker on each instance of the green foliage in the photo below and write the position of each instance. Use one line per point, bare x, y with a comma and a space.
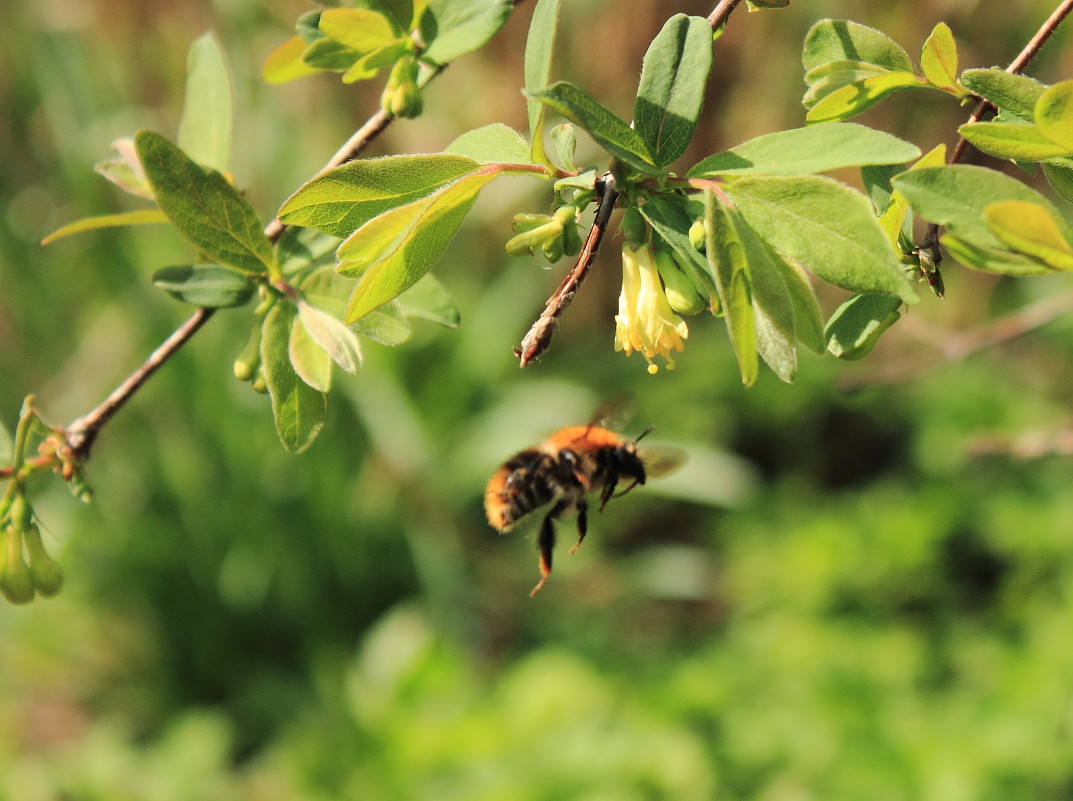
209, 285
206, 127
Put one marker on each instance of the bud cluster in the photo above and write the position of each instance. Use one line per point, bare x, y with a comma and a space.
555, 234
26, 568
402, 94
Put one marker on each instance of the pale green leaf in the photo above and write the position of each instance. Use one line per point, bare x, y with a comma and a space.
205, 127
813, 149
143, 217
429, 300
308, 358
297, 408
1016, 94
360, 29
203, 205
337, 340
826, 78
939, 58
808, 323
1018, 141
386, 325
391, 252
346, 197
726, 257
1029, 228
285, 62
125, 171
671, 91
453, 28
539, 52
843, 40
1054, 114
855, 328
861, 95
1060, 179
824, 226
495, 143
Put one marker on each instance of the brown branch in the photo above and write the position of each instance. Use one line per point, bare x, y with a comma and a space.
539, 337
722, 12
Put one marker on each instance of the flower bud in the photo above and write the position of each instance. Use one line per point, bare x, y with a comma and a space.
16, 584
633, 226
46, 574
22, 516
681, 293
407, 101
249, 359
698, 236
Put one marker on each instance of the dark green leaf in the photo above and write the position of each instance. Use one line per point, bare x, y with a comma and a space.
610, 131
328, 54
298, 409
400, 12
345, 198
209, 285
453, 28
815, 148
539, 51
391, 252
205, 127
824, 226
842, 40
671, 91
1016, 94
855, 328
203, 205
1060, 179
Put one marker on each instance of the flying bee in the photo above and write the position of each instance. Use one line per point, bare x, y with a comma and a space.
564, 469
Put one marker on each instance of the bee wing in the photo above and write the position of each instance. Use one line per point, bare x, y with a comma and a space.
614, 413
661, 460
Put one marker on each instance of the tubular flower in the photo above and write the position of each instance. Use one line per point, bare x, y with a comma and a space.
645, 321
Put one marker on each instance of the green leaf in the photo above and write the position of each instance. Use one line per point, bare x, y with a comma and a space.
203, 206
391, 252
726, 257
842, 40
991, 259
808, 324
337, 340
773, 312
539, 52
1054, 114
1060, 179
429, 300
205, 127
453, 28
143, 217
399, 12
826, 78
285, 62
310, 361
386, 325
824, 226
671, 221
756, 5
896, 218
346, 197
213, 286
671, 90
815, 148
126, 171
855, 328
360, 29
298, 409
861, 95
369, 64
955, 197
1016, 94
495, 143
328, 54
1029, 228
1019, 141
610, 131
939, 58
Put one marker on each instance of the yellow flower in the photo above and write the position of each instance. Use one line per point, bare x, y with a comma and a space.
645, 321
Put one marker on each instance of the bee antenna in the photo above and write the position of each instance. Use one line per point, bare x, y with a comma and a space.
643, 434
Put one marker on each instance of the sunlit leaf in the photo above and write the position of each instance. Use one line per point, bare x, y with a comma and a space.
843, 40
856, 97
309, 359
939, 58
1018, 141
495, 143
337, 340
456, 27
1029, 228
360, 29
143, 217
285, 62
1016, 94
539, 51
126, 171
1054, 114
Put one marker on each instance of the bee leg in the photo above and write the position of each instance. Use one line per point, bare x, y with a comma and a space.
546, 543
582, 524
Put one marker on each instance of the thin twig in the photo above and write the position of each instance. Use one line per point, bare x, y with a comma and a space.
539, 337
719, 16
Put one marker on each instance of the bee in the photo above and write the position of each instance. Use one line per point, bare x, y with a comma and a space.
571, 464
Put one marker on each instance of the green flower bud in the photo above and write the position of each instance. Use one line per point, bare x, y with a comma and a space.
526, 241
681, 293
633, 226
407, 101
79, 487
553, 249
697, 236
16, 584
249, 359
260, 384
22, 515
571, 239
46, 574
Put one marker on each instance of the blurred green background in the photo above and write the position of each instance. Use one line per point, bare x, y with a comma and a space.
860, 587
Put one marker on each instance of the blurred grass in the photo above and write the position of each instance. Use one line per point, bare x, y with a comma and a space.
872, 611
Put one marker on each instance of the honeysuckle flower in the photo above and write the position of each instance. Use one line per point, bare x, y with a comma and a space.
645, 321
